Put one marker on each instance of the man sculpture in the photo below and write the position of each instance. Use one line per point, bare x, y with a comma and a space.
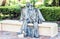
29, 14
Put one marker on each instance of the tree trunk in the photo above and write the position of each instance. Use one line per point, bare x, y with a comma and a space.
54, 3
59, 2
3, 3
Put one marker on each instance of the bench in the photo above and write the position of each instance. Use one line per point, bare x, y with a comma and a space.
45, 29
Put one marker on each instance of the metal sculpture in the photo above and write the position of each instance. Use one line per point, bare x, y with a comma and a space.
29, 14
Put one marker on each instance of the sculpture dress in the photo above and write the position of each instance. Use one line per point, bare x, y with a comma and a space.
29, 14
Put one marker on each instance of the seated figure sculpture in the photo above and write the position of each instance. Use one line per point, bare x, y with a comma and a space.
29, 14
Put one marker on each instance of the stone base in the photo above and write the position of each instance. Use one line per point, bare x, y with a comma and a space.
45, 29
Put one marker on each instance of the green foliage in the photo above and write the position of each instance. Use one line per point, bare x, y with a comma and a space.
23, 1
11, 2
15, 10
33, 2
51, 13
10, 9
55, 3
0, 17
47, 2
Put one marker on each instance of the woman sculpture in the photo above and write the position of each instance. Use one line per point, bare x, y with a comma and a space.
29, 14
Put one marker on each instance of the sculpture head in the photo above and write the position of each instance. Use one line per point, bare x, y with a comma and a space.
29, 4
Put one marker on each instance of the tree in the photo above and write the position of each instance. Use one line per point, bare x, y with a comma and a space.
55, 3
3, 3
33, 2
59, 2
46, 2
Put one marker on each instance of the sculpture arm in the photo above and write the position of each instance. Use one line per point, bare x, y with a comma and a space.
40, 17
21, 17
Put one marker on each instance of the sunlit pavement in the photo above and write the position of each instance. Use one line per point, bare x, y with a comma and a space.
13, 35
8, 35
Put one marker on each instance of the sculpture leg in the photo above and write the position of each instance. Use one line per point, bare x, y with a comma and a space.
27, 29
24, 28
36, 30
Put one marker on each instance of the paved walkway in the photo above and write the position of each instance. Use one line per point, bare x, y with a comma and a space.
8, 35
13, 35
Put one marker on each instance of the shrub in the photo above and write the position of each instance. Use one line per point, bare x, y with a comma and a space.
51, 13
15, 10
9, 9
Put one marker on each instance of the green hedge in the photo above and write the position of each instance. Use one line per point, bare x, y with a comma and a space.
10, 9
51, 13
15, 10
